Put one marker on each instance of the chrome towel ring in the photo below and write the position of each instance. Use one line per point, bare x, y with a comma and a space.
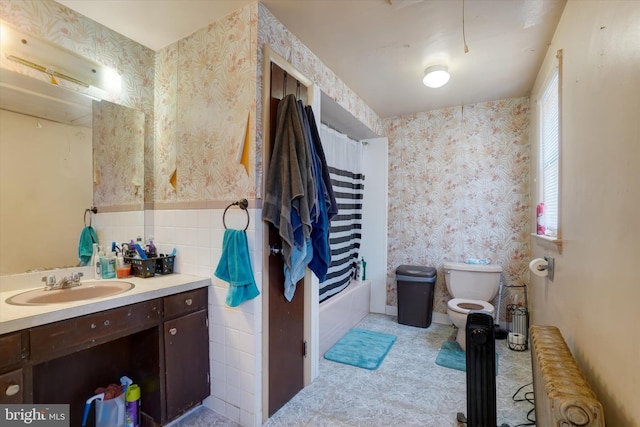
242, 204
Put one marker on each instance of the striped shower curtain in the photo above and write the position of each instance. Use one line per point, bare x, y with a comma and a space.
344, 159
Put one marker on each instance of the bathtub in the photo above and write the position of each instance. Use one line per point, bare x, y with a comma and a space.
342, 312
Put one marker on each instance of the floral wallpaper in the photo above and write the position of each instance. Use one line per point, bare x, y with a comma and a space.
272, 32
207, 86
206, 89
284, 43
166, 93
118, 155
458, 189
203, 89
52, 21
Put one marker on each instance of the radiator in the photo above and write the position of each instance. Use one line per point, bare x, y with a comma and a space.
563, 397
481, 370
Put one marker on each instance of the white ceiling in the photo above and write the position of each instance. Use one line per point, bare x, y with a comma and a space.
379, 48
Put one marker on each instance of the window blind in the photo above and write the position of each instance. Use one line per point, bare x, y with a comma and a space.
550, 152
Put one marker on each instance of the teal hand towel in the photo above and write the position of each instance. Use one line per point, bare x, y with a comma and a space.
235, 267
88, 237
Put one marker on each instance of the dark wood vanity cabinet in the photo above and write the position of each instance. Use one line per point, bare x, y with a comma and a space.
12, 353
186, 350
162, 344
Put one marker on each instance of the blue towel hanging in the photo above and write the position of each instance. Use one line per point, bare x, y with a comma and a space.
235, 267
88, 237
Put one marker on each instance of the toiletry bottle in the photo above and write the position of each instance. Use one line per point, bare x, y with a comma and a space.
151, 249
132, 406
108, 266
364, 269
121, 268
540, 226
102, 260
95, 260
94, 254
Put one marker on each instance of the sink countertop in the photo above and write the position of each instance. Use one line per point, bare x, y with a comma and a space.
14, 317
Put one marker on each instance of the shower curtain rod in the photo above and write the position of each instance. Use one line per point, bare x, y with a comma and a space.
344, 133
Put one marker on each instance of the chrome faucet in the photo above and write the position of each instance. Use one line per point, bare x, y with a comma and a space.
64, 283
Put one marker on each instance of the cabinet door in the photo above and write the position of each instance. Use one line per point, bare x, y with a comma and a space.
186, 345
11, 386
10, 350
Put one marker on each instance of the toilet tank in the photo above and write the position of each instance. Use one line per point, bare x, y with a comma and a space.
472, 281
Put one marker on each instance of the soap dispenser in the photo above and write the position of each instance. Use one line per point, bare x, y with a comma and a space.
108, 269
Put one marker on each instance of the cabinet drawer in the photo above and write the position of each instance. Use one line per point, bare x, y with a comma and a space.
11, 387
185, 302
10, 349
67, 336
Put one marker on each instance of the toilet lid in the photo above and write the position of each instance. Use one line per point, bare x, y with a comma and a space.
462, 305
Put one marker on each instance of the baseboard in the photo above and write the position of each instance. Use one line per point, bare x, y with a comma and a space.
441, 318
392, 310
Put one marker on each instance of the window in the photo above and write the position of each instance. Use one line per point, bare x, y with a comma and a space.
549, 110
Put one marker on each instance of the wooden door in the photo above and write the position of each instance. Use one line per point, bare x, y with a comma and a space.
286, 319
286, 337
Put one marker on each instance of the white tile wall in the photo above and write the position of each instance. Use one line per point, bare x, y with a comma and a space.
234, 333
118, 227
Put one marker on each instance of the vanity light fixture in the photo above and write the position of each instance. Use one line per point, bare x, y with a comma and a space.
56, 61
436, 76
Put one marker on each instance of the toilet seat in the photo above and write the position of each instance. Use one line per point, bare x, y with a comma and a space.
464, 306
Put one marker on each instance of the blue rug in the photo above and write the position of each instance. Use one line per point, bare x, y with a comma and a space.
361, 348
452, 356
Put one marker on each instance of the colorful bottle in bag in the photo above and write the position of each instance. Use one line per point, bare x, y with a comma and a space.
540, 218
132, 407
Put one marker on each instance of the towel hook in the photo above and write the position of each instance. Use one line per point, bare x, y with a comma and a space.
284, 85
89, 210
242, 204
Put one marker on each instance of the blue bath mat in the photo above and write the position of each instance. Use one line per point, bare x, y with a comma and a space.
362, 348
451, 355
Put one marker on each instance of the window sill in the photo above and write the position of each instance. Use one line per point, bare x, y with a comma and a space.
553, 242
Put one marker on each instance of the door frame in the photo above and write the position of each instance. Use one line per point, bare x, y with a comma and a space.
311, 284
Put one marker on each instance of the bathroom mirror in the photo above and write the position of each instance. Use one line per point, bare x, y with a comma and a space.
49, 175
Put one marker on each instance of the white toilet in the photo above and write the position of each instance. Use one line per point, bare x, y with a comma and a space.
472, 286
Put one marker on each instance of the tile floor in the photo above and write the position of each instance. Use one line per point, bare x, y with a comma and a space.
408, 389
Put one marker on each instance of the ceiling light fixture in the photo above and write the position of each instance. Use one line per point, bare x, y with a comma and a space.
56, 61
436, 76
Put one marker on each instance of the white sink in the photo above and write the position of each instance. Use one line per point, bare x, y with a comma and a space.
87, 290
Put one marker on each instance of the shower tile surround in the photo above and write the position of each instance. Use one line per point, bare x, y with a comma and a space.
408, 389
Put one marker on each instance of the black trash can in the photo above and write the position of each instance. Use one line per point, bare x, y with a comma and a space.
415, 285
